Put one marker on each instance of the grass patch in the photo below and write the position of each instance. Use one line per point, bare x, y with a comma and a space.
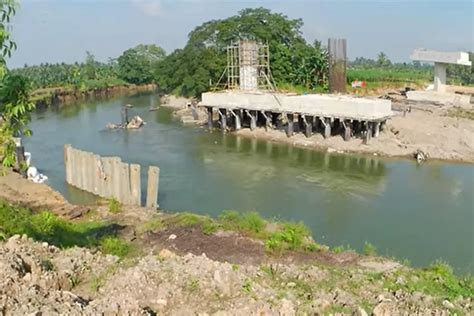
154, 224
46, 226
369, 249
115, 246
114, 206
250, 223
461, 113
291, 236
208, 226
436, 280
286, 235
341, 249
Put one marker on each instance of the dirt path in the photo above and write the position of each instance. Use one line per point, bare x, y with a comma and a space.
426, 128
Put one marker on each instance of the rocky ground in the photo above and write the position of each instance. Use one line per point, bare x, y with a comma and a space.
40, 279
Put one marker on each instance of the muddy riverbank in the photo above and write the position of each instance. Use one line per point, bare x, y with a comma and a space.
44, 98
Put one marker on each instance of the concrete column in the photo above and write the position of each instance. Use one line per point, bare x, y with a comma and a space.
268, 120
290, 127
376, 129
209, 118
327, 128
347, 130
223, 114
124, 115
440, 77
153, 187
238, 119
253, 120
309, 126
368, 135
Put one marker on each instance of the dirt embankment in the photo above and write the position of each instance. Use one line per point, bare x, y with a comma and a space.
180, 270
53, 96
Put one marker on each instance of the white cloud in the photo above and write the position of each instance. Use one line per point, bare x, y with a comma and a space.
149, 7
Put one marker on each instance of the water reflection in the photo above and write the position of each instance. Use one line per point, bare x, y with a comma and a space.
251, 160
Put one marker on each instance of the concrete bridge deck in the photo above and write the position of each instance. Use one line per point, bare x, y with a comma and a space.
330, 106
328, 114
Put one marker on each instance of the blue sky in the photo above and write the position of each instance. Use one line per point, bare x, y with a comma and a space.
62, 30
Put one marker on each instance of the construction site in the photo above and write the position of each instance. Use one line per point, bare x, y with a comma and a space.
246, 98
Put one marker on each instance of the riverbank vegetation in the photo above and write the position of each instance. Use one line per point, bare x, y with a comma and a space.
15, 105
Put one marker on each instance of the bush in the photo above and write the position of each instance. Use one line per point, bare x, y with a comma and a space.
114, 206
369, 249
290, 237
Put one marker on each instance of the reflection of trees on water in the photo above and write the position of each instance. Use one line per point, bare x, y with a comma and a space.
254, 161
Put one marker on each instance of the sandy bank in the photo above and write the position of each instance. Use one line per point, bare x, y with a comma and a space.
426, 128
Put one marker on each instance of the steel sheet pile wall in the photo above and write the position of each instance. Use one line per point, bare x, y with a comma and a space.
108, 177
337, 65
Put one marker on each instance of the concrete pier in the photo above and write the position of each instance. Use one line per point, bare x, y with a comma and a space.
441, 61
271, 109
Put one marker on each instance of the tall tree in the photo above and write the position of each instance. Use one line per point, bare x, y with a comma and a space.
188, 71
14, 99
136, 65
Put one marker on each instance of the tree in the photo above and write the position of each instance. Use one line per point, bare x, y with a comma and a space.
136, 65
90, 66
382, 60
14, 98
188, 71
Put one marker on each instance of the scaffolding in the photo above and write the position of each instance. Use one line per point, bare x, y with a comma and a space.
248, 67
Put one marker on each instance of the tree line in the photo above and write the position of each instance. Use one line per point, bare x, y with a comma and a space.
198, 66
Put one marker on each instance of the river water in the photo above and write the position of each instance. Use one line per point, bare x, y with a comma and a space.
420, 213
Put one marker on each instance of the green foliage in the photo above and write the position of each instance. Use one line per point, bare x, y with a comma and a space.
437, 280
251, 222
14, 92
189, 71
77, 75
369, 249
339, 249
136, 64
461, 75
290, 237
46, 226
114, 206
247, 286
115, 246
392, 75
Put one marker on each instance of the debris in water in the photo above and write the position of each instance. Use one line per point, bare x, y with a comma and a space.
420, 156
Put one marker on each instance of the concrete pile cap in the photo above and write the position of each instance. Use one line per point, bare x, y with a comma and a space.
339, 106
458, 58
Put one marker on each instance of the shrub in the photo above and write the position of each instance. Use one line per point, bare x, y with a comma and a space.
114, 206
369, 249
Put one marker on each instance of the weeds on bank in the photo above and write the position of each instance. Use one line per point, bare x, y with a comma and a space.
115, 246
114, 206
46, 226
250, 223
461, 113
369, 249
436, 280
285, 236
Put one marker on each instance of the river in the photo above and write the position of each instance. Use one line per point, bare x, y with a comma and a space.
419, 213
